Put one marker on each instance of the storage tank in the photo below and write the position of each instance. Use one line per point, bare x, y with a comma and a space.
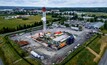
70, 40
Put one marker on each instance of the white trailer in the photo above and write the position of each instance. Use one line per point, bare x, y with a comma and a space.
75, 28
35, 54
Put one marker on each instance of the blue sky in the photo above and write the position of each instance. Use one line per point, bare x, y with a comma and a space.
55, 3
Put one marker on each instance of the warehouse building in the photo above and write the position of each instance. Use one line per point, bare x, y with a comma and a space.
95, 25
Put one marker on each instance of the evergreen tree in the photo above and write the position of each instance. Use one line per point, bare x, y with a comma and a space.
105, 25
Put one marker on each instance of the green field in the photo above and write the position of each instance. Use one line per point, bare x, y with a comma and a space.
96, 13
95, 45
103, 30
13, 23
83, 58
9, 53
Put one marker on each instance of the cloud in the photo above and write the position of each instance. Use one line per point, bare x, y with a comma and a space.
55, 3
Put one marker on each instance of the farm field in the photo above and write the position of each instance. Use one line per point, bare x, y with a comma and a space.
13, 23
96, 13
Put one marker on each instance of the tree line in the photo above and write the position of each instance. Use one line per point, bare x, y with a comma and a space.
105, 25
19, 27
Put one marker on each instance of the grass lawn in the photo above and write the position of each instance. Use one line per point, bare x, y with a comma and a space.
18, 48
95, 45
104, 31
2, 57
22, 62
10, 54
1, 52
33, 61
83, 58
0, 40
13, 23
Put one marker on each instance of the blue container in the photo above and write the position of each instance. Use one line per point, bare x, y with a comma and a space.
70, 40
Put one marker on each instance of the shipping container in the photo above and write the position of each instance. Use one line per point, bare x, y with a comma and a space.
70, 40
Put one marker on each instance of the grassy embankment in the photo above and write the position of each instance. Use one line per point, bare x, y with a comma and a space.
12, 54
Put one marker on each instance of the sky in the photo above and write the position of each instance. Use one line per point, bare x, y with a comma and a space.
55, 3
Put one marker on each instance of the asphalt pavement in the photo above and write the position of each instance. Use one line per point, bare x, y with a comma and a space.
103, 60
1, 63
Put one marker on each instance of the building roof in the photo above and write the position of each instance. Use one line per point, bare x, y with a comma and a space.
94, 25
59, 38
97, 24
22, 43
58, 32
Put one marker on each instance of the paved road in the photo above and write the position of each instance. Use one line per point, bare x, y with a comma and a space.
103, 60
1, 63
